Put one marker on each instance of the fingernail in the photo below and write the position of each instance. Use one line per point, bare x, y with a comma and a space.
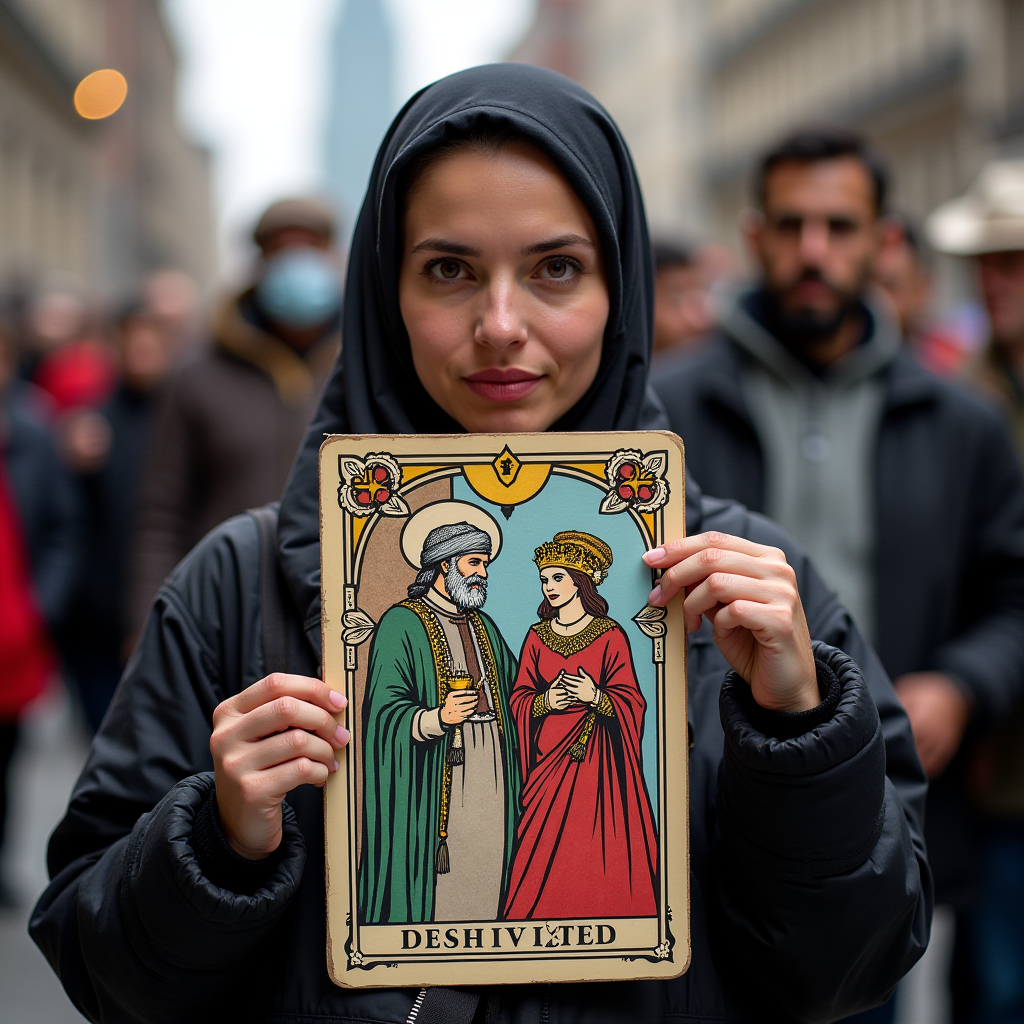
654, 555
338, 699
336, 766
655, 597
342, 735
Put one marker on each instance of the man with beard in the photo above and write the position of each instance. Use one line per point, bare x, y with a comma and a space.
440, 763
902, 488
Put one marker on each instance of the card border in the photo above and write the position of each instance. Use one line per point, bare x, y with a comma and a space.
353, 969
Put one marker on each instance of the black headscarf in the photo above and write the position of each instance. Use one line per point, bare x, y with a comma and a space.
374, 387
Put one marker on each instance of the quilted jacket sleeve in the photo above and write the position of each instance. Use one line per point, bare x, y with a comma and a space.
130, 923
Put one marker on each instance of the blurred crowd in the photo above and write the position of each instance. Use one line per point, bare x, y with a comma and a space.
822, 391
815, 384
127, 434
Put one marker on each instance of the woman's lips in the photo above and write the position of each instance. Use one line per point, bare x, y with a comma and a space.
502, 385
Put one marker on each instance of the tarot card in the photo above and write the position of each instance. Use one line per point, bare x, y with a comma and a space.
512, 806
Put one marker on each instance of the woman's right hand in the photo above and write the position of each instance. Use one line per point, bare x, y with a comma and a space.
275, 735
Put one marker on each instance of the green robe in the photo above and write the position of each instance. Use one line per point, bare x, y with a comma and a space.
403, 779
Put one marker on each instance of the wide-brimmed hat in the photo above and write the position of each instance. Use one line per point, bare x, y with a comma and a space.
305, 212
989, 218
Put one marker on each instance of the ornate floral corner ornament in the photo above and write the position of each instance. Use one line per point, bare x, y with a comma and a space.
371, 485
651, 621
635, 481
662, 951
355, 957
358, 627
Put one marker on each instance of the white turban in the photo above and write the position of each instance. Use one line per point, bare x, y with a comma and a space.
443, 543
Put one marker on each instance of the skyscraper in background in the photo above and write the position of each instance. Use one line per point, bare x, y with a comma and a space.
361, 102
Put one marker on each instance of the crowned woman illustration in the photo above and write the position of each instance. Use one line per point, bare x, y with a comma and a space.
585, 843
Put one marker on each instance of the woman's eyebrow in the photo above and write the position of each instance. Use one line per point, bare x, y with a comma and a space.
446, 245
561, 242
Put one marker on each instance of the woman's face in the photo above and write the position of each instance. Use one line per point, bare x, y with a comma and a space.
557, 586
502, 289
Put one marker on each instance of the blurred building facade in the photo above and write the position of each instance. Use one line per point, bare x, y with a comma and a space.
555, 38
699, 87
95, 204
926, 79
642, 61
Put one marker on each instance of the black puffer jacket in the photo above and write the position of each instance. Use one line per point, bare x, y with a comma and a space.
949, 553
811, 894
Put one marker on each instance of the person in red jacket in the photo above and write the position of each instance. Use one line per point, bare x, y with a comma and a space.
37, 552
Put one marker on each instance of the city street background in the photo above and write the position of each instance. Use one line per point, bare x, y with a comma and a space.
233, 104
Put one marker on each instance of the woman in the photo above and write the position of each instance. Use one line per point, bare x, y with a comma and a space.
580, 717
499, 279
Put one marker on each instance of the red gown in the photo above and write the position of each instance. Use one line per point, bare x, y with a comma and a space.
586, 844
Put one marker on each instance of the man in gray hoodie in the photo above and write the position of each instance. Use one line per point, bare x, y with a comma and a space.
902, 488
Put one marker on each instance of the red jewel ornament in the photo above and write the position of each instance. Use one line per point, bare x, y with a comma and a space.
626, 471
643, 492
382, 495
625, 492
380, 474
363, 497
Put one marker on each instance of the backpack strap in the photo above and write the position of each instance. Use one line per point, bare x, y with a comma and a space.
275, 634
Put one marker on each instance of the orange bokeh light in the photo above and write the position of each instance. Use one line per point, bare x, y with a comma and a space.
100, 94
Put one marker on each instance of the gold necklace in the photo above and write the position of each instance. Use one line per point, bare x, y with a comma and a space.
567, 646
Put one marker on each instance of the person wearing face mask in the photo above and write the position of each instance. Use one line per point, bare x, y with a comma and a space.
500, 280
235, 412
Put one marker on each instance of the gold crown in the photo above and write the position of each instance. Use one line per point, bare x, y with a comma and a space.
574, 549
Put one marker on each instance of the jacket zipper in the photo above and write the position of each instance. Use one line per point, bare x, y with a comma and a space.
416, 1006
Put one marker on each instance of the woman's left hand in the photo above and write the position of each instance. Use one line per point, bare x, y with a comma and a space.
581, 686
749, 594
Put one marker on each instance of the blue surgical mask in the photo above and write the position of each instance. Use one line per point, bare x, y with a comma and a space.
299, 288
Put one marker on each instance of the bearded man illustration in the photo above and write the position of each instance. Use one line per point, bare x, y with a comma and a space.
441, 768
